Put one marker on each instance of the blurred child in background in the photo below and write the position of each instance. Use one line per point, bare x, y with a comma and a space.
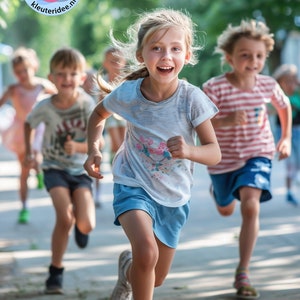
23, 95
90, 87
114, 63
287, 77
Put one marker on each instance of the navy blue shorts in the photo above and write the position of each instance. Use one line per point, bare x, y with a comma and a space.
255, 173
167, 221
54, 178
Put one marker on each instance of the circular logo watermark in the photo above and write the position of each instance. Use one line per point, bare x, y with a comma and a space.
51, 7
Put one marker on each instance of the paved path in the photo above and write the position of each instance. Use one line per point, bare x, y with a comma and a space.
203, 266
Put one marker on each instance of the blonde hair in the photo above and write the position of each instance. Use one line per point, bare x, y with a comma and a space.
139, 33
68, 57
25, 55
251, 29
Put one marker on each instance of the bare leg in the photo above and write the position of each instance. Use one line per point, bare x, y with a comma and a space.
64, 222
23, 180
250, 207
151, 259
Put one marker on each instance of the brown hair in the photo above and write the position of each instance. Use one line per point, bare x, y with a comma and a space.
68, 57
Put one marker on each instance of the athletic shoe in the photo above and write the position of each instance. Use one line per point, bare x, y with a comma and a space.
40, 180
81, 238
123, 290
54, 281
23, 216
291, 199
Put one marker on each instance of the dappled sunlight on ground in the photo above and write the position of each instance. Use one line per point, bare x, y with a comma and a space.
203, 266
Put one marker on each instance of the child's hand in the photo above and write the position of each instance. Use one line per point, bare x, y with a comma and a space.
70, 145
283, 148
238, 117
178, 147
92, 164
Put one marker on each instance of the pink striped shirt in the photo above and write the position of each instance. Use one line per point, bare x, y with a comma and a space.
254, 139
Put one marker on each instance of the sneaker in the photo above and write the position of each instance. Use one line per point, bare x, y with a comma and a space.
123, 290
81, 238
291, 199
54, 281
23, 216
40, 180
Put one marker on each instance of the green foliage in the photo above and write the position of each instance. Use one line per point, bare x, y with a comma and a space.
92, 29
212, 17
7, 8
87, 25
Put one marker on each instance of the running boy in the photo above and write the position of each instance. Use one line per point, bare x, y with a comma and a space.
244, 134
65, 115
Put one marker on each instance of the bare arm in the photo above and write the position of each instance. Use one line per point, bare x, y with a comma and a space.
50, 88
95, 140
6, 95
28, 137
238, 117
208, 153
284, 144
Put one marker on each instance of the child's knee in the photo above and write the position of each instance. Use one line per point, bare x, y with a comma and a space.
64, 223
86, 226
228, 210
250, 208
147, 257
159, 280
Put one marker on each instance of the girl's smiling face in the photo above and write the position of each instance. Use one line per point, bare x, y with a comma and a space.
164, 54
248, 56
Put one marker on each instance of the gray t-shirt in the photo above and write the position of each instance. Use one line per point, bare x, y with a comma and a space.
143, 160
59, 123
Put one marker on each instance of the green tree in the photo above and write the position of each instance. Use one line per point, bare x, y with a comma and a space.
7, 10
212, 17
91, 31
87, 25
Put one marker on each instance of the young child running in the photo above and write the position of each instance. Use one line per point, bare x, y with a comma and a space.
153, 169
114, 63
287, 77
244, 134
65, 115
90, 87
23, 95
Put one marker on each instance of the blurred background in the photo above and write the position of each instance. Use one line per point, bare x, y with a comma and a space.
86, 28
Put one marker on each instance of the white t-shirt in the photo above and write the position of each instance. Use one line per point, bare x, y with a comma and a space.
143, 160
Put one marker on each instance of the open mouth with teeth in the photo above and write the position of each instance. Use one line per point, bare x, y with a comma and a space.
165, 69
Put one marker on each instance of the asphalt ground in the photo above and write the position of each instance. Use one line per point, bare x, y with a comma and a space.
205, 260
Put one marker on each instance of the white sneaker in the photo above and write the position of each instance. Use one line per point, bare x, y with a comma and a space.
123, 290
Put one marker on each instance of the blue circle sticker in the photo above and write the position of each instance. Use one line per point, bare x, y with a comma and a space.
51, 7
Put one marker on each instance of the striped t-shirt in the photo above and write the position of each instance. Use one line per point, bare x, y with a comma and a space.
239, 143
